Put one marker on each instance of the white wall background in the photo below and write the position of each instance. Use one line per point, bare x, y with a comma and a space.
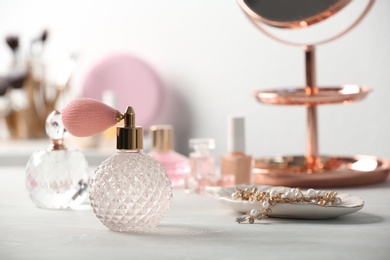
212, 58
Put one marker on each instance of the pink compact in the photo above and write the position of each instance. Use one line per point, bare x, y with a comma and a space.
132, 81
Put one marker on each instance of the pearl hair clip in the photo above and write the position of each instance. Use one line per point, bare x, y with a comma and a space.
276, 195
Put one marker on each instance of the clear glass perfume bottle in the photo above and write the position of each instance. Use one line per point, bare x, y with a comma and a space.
57, 178
176, 165
202, 164
130, 191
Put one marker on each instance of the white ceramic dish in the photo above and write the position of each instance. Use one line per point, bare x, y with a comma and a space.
349, 204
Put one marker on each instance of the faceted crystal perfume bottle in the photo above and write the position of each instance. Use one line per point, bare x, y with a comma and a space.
57, 178
130, 191
176, 165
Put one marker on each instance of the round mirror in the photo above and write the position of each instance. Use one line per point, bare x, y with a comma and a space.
272, 15
292, 13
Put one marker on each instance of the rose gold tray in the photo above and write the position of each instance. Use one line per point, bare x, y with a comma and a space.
325, 95
332, 171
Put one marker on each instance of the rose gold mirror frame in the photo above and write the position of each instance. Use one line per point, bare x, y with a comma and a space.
340, 4
257, 20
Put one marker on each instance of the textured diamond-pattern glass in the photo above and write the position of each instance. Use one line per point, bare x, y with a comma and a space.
130, 191
57, 179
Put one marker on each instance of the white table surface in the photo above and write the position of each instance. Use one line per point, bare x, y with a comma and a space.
196, 227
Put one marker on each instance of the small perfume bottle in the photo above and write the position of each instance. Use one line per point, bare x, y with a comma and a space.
202, 164
236, 166
57, 178
176, 165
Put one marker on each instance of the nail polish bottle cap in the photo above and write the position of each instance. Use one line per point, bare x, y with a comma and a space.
161, 138
129, 136
236, 134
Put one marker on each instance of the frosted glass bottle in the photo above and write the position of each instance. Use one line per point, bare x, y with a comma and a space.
202, 162
57, 178
176, 164
236, 165
130, 191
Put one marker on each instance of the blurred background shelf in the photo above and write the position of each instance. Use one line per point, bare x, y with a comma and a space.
17, 152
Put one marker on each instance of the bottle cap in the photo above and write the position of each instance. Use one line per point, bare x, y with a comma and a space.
161, 138
56, 131
236, 134
202, 145
129, 136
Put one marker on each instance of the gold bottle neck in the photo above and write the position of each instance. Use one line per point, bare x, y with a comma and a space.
161, 138
129, 136
57, 145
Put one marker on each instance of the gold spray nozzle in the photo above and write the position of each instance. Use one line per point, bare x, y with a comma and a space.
129, 136
119, 116
129, 117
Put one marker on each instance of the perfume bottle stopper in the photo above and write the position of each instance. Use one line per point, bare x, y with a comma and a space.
56, 131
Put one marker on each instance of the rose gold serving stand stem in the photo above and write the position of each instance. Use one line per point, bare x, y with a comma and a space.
312, 153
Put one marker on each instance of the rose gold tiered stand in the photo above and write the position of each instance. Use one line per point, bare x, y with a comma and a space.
313, 170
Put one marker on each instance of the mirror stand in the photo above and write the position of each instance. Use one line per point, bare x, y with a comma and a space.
315, 170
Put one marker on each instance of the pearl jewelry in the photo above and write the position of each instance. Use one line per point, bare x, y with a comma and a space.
321, 193
311, 192
288, 194
253, 213
282, 195
298, 195
265, 204
273, 193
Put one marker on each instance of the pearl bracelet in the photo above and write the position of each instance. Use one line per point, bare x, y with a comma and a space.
276, 195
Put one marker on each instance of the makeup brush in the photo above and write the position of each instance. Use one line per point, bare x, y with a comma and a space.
13, 42
16, 78
86, 117
3, 85
37, 44
43, 37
